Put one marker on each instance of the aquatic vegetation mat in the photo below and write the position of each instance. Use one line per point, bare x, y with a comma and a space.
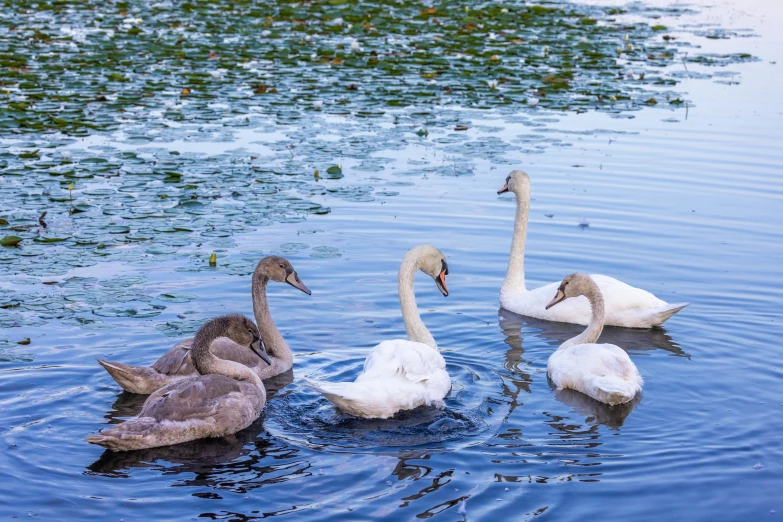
98, 66
97, 100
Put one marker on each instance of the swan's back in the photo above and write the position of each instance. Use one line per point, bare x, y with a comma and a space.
626, 305
195, 408
415, 361
602, 371
623, 296
218, 398
177, 360
398, 375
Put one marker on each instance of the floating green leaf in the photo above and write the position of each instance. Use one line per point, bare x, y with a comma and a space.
41, 239
334, 172
10, 241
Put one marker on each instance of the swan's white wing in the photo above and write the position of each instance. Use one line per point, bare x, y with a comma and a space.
625, 305
532, 303
624, 296
398, 375
603, 359
409, 359
602, 371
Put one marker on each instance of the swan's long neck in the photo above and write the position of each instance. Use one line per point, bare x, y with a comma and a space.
276, 346
207, 363
596, 324
515, 275
414, 326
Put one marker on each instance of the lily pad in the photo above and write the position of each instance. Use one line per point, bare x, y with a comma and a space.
177, 298
137, 313
10, 241
42, 239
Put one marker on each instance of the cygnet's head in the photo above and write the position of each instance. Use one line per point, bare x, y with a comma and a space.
573, 285
432, 262
279, 269
239, 329
516, 181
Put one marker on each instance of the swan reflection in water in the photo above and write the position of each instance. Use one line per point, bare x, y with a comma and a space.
201, 457
637, 341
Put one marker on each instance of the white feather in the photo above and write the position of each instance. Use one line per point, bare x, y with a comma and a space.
601, 371
398, 375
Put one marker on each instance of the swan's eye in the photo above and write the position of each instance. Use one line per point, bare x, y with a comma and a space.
281, 266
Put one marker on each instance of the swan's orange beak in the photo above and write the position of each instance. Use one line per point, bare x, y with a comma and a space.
503, 189
559, 296
441, 282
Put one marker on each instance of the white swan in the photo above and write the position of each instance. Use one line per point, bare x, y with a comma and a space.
625, 305
176, 364
226, 398
400, 374
602, 371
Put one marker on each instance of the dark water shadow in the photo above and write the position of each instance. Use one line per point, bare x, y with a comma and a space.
516, 379
199, 456
596, 412
629, 339
306, 419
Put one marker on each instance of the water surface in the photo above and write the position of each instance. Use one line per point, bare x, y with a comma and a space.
687, 205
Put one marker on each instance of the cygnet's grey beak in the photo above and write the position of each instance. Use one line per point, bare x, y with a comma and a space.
559, 296
259, 349
503, 189
293, 280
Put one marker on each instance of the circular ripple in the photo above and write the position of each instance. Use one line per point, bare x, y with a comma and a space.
305, 418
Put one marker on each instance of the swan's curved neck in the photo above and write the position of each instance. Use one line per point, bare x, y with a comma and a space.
414, 326
515, 274
207, 363
276, 346
596, 324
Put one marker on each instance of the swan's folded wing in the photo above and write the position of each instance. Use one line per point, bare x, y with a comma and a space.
604, 359
177, 360
412, 360
196, 398
622, 296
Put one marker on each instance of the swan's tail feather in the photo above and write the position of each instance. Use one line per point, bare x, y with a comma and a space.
659, 317
347, 396
613, 390
146, 432
136, 379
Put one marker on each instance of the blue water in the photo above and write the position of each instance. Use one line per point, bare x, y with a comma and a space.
689, 209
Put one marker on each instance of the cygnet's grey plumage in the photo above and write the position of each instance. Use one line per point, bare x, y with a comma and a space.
177, 364
226, 398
